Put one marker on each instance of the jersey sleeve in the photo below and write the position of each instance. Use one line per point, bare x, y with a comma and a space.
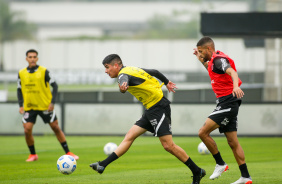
221, 64
49, 78
123, 78
157, 74
19, 92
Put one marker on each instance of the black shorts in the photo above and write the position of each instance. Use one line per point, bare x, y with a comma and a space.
47, 117
225, 113
157, 119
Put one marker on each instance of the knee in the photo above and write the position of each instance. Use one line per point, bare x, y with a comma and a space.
27, 131
129, 137
232, 144
202, 134
168, 147
56, 128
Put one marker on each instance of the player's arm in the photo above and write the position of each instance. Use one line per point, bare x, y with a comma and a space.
52, 82
157, 74
222, 64
236, 89
197, 54
169, 85
123, 82
20, 95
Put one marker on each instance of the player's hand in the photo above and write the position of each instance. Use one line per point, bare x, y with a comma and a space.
123, 88
197, 54
171, 86
21, 110
50, 107
195, 51
238, 92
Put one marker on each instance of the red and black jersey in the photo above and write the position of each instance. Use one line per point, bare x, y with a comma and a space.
222, 83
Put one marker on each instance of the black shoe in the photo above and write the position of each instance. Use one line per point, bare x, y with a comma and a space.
197, 178
95, 166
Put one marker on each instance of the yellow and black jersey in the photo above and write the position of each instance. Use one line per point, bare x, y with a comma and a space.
142, 84
33, 90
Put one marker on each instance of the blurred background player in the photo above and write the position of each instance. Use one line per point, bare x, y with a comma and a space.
35, 98
157, 116
226, 86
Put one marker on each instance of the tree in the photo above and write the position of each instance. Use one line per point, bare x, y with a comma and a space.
13, 27
179, 25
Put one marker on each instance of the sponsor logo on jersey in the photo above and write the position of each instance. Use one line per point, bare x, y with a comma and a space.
46, 112
223, 63
26, 115
217, 108
225, 121
154, 122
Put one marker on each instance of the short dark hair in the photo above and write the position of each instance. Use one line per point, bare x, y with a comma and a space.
31, 50
204, 41
112, 58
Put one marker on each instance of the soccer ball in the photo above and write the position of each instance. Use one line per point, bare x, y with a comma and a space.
66, 164
202, 149
109, 148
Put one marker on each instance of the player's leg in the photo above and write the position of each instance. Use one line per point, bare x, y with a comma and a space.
234, 144
239, 155
134, 132
179, 153
28, 126
204, 134
28, 120
58, 131
160, 119
172, 148
51, 119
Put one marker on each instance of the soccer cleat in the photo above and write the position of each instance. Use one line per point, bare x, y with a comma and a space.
73, 155
32, 157
197, 178
95, 166
219, 169
243, 180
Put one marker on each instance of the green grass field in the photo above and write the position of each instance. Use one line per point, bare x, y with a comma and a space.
146, 162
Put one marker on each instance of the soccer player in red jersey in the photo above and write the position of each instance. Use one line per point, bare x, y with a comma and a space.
226, 86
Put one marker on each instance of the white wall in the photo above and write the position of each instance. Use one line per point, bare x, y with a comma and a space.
165, 55
253, 119
11, 120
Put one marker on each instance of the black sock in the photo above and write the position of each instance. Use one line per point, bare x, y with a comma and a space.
112, 157
192, 166
31, 149
218, 159
65, 146
244, 170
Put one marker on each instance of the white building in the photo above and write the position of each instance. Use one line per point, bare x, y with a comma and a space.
65, 19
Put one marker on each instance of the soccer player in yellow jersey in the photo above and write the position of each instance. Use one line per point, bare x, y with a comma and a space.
142, 84
35, 98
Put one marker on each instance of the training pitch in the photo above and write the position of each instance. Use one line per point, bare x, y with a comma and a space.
146, 162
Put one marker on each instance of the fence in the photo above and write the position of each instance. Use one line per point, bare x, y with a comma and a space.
84, 118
